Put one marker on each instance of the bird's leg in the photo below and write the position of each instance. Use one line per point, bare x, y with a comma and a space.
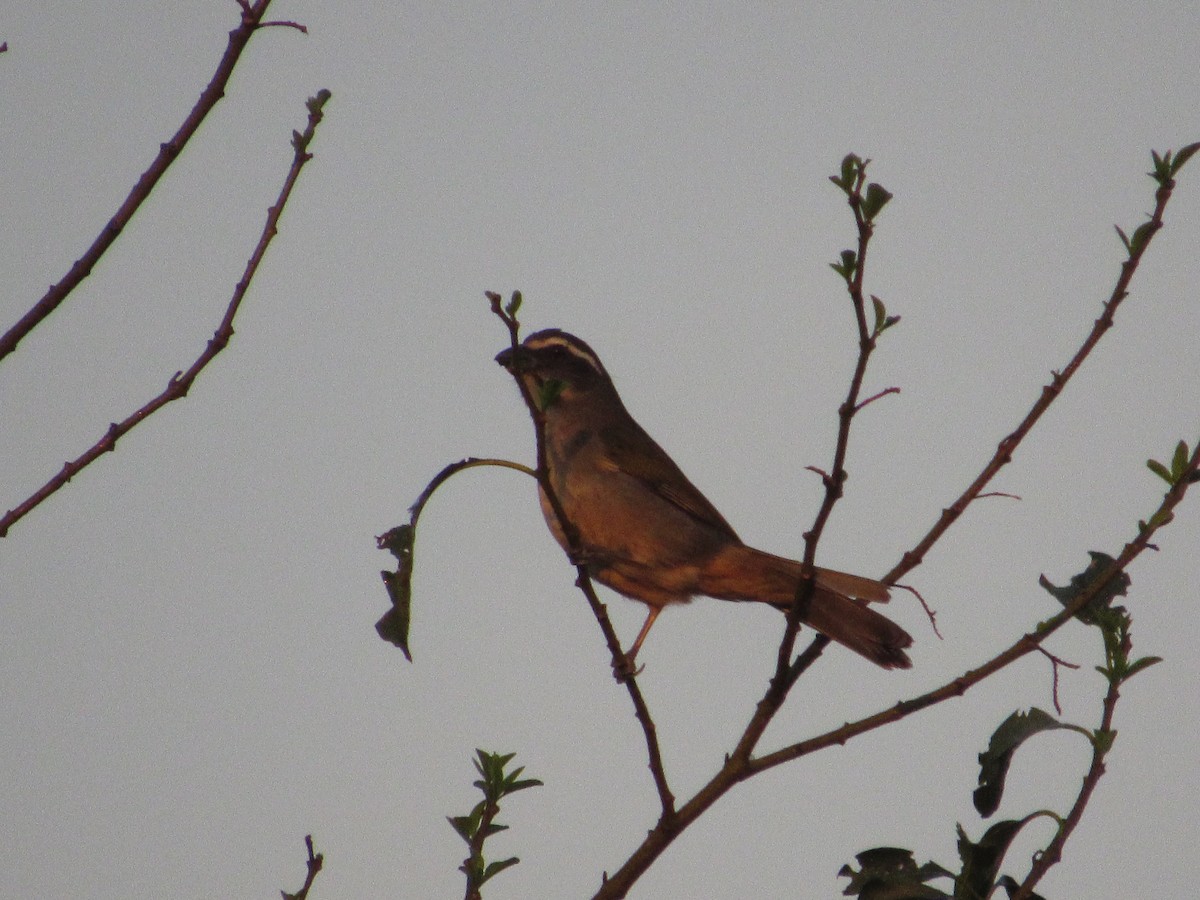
625, 668
590, 558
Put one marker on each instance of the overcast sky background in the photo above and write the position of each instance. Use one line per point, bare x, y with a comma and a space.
191, 680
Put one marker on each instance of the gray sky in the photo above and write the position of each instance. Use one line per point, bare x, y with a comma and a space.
191, 678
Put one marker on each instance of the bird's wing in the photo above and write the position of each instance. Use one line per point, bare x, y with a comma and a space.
636, 454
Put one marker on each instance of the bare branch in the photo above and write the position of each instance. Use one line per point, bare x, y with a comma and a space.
874, 397
1025, 644
1055, 662
314, 863
181, 382
1049, 857
741, 765
1050, 392
930, 613
738, 764
238, 38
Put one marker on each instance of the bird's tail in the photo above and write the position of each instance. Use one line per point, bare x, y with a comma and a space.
743, 573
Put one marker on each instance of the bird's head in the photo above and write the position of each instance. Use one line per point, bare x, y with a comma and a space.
560, 362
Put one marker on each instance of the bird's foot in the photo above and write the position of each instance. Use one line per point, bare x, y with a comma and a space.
624, 668
586, 557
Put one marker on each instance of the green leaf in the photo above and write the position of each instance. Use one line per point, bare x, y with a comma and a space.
481, 824
874, 201
1141, 237
1144, 662
1124, 239
1011, 887
1179, 461
1183, 156
462, 824
514, 304
891, 873
849, 173
1162, 167
393, 627
1160, 470
880, 313
1103, 740
521, 785
549, 392
1162, 517
994, 762
981, 862
497, 867
846, 267
1115, 587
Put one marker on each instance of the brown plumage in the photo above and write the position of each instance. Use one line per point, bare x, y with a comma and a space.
648, 533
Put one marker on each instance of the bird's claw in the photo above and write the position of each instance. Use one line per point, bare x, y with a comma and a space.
624, 669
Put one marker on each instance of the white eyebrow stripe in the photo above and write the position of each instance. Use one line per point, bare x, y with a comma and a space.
570, 346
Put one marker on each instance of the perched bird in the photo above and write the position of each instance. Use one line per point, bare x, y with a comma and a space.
646, 532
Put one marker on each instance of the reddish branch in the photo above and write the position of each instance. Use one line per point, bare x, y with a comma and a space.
180, 383
252, 14
313, 864
741, 764
1050, 857
1006, 447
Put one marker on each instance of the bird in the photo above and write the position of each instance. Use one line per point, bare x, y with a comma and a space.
645, 531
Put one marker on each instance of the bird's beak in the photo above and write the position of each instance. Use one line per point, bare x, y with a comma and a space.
509, 359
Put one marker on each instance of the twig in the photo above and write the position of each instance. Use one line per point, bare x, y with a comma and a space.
1055, 662
1050, 392
1025, 644
740, 765
1049, 857
737, 765
930, 613
181, 381
874, 397
314, 863
278, 23
238, 38
584, 581
470, 462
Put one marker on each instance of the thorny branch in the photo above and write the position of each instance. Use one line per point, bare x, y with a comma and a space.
181, 382
313, 866
741, 765
1050, 392
252, 14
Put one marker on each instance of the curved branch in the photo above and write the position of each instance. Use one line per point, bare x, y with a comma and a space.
737, 765
181, 382
238, 38
1050, 392
1027, 643
740, 765
312, 867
